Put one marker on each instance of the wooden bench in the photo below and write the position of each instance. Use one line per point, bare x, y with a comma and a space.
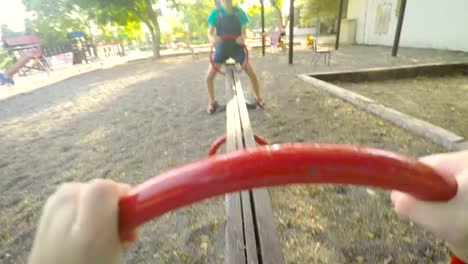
251, 235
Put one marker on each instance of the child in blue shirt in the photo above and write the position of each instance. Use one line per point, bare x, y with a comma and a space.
230, 22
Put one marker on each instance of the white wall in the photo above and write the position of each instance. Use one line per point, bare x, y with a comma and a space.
436, 24
427, 24
348, 31
365, 12
371, 23
357, 11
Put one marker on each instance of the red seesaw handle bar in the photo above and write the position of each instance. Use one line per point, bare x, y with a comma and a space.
222, 139
275, 165
229, 37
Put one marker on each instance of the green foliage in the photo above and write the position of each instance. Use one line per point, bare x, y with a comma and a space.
126, 13
195, 14
324, 7
110, 20
277, 4
325, 11
49, 33
255, 16
5, 60
55, 18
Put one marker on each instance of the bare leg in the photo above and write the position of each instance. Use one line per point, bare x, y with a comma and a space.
210, 75
253, 78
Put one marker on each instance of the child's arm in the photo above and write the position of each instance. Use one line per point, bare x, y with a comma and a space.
241, 39
211, 34
212, 37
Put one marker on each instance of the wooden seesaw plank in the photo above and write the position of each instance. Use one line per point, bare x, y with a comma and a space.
268, 241
247, 212
235, 246
243, 210
252, 208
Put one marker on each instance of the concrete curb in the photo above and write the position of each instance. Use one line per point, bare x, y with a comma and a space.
427, 130
386, 69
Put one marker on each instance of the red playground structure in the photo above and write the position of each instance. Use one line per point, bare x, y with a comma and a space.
22, 50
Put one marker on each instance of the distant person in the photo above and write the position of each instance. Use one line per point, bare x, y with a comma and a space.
275, 36
228, 20
6, 79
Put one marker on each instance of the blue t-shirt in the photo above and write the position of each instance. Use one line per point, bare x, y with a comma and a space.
214, 16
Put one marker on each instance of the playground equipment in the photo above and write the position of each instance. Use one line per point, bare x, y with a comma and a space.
250, 230
7, 77
80, 46
107, 49
22, 50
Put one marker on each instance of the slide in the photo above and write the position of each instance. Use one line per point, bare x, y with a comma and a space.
7, 77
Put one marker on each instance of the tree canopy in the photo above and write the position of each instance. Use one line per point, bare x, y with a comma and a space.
53, 19
320, 11
183, 20
120, 16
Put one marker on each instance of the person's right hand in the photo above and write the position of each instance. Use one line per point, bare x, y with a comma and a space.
79, 224
447, 220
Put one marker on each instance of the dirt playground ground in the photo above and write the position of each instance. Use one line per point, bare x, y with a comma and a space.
142, 118
442, 101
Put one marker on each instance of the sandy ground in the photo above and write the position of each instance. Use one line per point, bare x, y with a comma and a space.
39, 79
442, 101
139, 119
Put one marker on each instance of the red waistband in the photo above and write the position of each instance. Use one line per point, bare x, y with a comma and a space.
228, 36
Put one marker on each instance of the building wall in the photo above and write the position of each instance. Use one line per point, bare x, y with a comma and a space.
427, 24
356, 11
436, 24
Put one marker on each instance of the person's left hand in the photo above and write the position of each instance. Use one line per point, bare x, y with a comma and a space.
447, 220
240, 40
79, 224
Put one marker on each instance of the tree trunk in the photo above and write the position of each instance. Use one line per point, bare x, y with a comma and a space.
93, 46
91, 41
154, 39
278, 10
154, 28
158, 35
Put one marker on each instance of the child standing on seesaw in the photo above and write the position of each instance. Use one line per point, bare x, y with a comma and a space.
228, 20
